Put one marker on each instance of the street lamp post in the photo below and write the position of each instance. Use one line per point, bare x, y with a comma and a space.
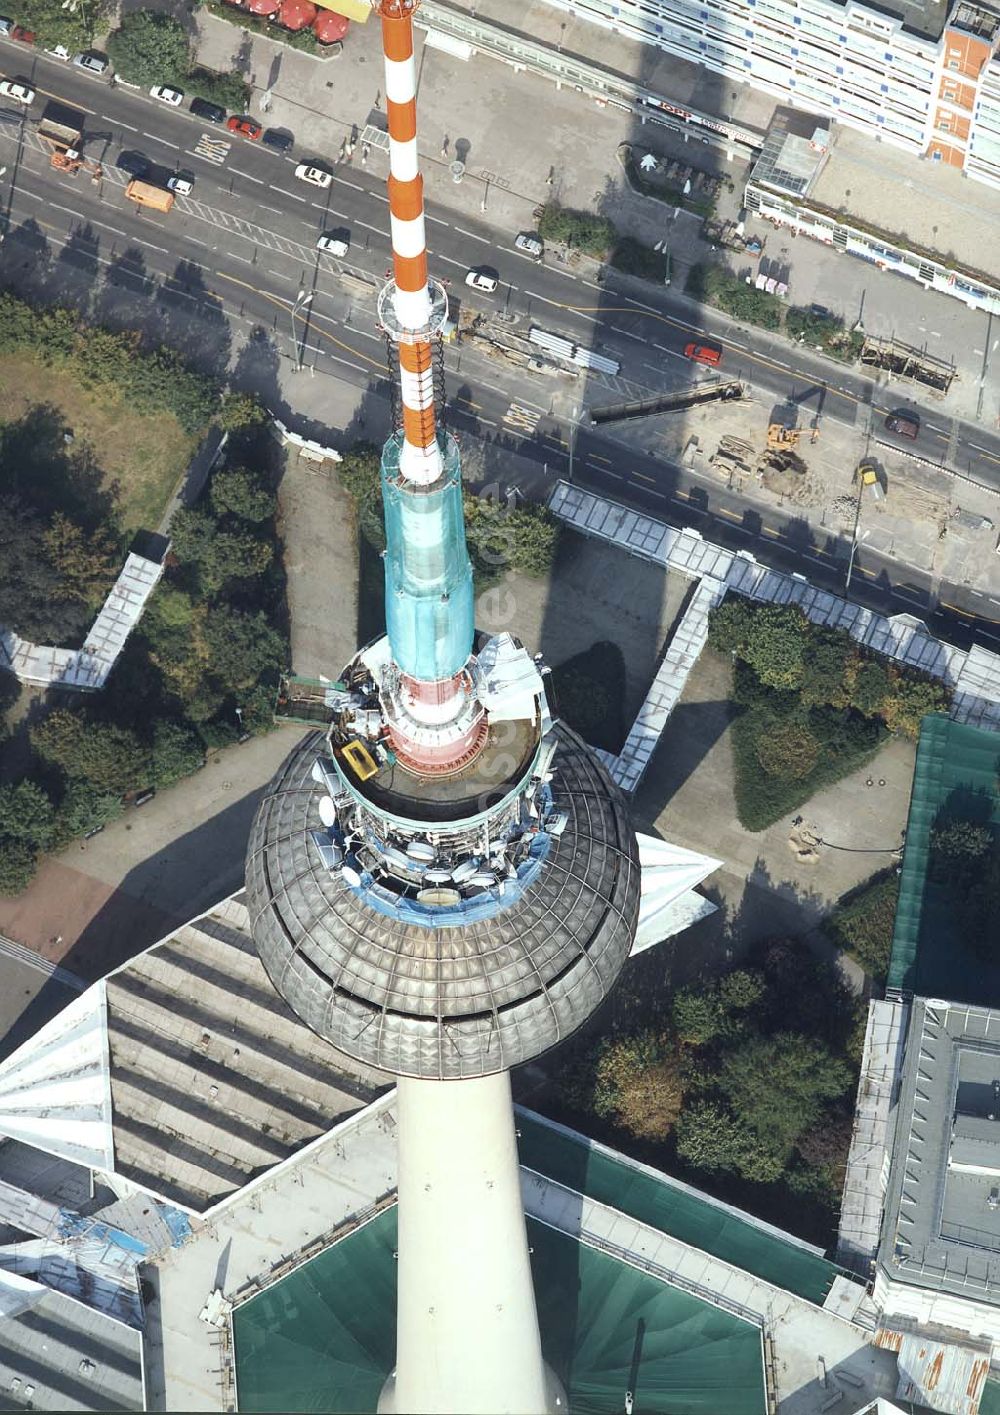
854, 535
302, 300
572, 439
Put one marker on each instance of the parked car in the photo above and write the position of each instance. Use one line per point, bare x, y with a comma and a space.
93, 63
904, 424
335, 242
211, 112
245, 127
18, 91
166, 94
703, 353
26, 36
136, 164
483, 280
181, 183
530, 243
60, 52
316, 176
278, 140
5, 25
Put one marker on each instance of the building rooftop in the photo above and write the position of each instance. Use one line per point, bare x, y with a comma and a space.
183, 1071
941, 1228
606, 1328
57, 1354
794, 149
956, 778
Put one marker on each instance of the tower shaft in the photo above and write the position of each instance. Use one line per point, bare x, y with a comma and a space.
467, 1329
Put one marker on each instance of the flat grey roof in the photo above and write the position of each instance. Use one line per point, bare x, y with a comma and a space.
942, 1218
57, 1354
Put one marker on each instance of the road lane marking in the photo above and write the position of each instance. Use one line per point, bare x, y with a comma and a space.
472, 235
240, 173
155, 137
294, 195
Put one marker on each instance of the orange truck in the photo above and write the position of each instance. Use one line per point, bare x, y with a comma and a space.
145, 194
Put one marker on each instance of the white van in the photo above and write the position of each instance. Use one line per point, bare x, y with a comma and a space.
337, 243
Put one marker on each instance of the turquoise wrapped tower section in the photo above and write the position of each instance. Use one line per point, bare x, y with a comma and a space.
429, 608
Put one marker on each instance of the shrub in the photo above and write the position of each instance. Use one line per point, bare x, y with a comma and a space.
711, 284
18, 863
177, 751
638, 1085
303, 39
788, 750
84, 807
581, 230
863, 925
26, 814
227, 90
241, 493
634, 258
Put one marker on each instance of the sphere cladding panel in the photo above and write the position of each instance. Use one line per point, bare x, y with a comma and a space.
449, 1002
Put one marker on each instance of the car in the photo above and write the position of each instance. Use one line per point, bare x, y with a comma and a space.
245, 127
315, 176
180, 183
703, 353
166, 94
904, 424
482, 280
59, 52
93, 63
335, 242
278, 140
5, 25
26, 36
529, 242
18, 91
211, 112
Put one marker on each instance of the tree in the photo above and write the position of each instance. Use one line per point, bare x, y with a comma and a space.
709, 1138
238, 492
701, 1014
729, 624
54, 24
149, 48
33, 596
26, 814
826, 1143
777, 1086
242, 648
871, 687
360, 470
216, 555
18, 863
638, 1085
824, 663
911, 700
87, 563
177, 751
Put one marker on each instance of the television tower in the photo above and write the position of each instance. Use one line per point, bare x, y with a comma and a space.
447, 883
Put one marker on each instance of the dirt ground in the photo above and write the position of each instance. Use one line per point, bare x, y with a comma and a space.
145, 454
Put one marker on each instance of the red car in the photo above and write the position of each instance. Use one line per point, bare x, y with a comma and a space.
703, 354
246, 127
26, 36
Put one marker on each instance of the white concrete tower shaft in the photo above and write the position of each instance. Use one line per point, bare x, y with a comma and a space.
467, 1326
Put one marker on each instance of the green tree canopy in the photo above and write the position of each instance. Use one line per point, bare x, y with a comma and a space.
239, 411
82, 808
777, 1086
26, 814
710, 1138
716, 1009
242, 648
238, 492
35, 599
18, 863
150, 47
55, 24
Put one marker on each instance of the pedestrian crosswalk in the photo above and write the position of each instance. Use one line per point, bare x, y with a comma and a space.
212, 149
523, 419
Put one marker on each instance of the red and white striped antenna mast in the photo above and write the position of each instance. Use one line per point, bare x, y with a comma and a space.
412, 308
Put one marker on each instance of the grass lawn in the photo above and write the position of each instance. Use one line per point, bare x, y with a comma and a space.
144, 455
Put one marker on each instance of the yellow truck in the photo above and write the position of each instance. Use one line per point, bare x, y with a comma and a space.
145, 194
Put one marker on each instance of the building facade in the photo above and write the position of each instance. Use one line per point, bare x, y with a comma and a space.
914, 74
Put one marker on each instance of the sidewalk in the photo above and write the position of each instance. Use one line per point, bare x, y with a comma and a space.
508, 168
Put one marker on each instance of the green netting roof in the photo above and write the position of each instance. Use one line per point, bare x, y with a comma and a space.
956, 772
989, 1404
673, 1208
323, 1339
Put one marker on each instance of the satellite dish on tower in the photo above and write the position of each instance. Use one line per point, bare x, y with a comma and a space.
327, 811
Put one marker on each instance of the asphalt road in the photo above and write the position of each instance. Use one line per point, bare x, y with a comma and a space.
241, 250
